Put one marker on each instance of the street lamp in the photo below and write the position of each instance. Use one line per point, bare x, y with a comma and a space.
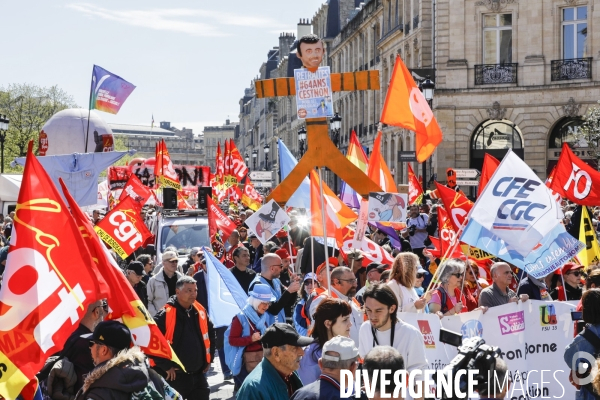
254, 156
302, 139
427, 86
266, 149
247, 159
335, 124
3, 128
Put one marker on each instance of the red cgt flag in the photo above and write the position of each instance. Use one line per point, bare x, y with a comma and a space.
164, 172
406, 107
218, 222
49, 281
124, 303
490, 163
415, 190
575, 180
456, 204
123, 228
238, 167
135, 189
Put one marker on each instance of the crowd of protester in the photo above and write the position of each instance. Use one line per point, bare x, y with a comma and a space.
312, 310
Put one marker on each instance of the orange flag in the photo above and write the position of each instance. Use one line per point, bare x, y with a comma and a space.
378, 169
490, 163
337, 214
406, 107
415, 191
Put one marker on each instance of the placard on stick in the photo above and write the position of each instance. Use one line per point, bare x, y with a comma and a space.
267, 221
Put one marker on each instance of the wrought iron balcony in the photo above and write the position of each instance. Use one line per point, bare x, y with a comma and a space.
494, 74
574, 68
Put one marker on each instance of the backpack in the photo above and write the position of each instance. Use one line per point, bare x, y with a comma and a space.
594, 341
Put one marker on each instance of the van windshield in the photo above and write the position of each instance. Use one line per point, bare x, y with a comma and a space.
184, 237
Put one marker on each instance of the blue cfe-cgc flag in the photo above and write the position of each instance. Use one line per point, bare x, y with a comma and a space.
226, 298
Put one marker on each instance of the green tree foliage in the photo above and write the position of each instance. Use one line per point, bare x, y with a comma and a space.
28, 107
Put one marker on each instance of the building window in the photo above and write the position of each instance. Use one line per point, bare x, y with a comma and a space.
574, 32
497, 38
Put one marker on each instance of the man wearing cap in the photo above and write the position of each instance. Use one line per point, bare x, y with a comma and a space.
343, 286
271, 267
120, 372
240, 270
192, 262
162, 285
275, 377
572, 274
187, 326
374, 271
339, 353
135, 273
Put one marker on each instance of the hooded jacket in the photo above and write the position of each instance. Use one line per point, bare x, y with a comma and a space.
120, 377
158, 291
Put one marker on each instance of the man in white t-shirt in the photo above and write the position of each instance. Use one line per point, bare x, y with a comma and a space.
384, 329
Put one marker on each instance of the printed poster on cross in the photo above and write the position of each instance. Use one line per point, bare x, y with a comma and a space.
267, 221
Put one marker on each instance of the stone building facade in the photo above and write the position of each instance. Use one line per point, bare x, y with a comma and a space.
514, 74
214, 135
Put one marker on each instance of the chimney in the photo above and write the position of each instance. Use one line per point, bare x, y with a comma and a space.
227, 121
285, 43
304, 27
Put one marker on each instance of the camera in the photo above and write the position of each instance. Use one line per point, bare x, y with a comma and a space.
473, 354
412, 229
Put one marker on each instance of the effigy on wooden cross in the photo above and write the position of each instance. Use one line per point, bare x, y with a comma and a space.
321, 150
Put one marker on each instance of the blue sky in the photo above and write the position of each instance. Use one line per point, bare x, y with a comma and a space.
190, 60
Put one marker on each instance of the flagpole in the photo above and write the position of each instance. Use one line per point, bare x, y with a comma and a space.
89, 111
324, 222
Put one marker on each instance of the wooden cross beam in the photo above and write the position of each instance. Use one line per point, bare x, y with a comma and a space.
321, 150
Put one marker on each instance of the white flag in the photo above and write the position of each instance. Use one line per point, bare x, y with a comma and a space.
516, 206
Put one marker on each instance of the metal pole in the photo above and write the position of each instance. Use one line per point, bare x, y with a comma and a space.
2, 137
324, 222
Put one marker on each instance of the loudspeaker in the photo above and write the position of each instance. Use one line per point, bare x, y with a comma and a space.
203, 193
169, 199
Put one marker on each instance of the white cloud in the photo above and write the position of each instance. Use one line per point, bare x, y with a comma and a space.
182, 20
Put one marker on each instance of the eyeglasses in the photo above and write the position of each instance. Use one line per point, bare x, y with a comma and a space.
277, 265
170, 261
420, 275
348, 280
458, 275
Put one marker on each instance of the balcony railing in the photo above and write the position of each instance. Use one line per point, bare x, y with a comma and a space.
416, 22
575, 68
494, 74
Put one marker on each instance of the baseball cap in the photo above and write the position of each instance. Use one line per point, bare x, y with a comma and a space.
111, 333
283, 253
137, 267
422, 270
195, 250
169, 256
262, 292
344, 346
252, 235
310, 276
570, 266
375, 265
279, 334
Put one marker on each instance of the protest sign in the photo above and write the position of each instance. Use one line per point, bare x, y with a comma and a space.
267, 221
313, 93
387, 207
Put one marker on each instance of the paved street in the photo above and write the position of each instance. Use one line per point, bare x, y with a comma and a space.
220, 389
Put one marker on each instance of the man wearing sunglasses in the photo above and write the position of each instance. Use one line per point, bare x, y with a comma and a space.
572, 274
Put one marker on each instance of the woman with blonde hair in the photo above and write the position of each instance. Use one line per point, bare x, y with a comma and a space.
402, 280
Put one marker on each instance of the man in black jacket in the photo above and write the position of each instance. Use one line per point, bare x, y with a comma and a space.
135, 273
187, 327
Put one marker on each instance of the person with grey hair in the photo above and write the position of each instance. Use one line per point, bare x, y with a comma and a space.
500, 293
339, 353
448, 298
271, 267
382, 358
187, 326
343, 286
